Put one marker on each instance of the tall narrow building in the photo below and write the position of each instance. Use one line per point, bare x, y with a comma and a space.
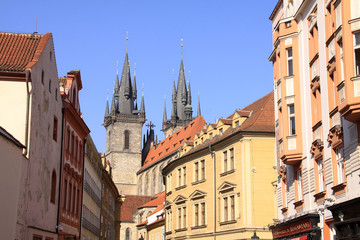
123, 123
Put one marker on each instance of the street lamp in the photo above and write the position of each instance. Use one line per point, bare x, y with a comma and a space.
254, 236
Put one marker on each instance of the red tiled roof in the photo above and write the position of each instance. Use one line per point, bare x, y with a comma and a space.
21, 51
173, 142
226, 121
261, 118
159, 199
130, 206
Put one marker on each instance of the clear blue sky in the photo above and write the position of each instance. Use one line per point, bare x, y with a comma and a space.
226, 48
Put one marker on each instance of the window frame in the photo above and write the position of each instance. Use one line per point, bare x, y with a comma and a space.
292, 124
289, 60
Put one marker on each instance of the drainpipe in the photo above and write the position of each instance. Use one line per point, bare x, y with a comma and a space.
214, 190
27, 77
60, 171
82, 186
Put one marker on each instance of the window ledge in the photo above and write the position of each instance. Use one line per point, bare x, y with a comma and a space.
320, 196
227, 222
198, 227
180, 229
168, 232
198, 182
340, 188
227, 172
299, 204
289, 76
168, 193
180, 187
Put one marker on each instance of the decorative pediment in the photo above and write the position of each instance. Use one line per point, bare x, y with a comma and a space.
335, 137
197, 194
226, 186
180, 199
167, 204
316, 148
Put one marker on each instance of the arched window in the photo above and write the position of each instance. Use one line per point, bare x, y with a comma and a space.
127, 139
127, 234
53, 187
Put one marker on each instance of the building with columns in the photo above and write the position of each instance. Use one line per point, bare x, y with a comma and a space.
316, 62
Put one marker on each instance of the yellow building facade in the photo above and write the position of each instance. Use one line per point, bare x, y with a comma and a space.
221, 186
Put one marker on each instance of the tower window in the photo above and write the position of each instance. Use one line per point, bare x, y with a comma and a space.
127, 139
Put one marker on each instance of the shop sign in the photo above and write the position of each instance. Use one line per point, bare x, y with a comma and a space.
292, 229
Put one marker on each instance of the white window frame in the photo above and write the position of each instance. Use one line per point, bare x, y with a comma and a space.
340, 165
356, 48
320, 167
290, 116
289, 59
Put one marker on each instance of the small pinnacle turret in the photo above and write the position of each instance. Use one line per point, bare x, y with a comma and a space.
198, 109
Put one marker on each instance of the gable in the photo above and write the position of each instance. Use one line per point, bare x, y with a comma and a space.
197, 194
226, 186
180, 199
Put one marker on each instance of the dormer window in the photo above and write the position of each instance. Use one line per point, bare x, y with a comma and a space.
221, 131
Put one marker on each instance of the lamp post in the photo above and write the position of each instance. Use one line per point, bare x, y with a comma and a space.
255, 236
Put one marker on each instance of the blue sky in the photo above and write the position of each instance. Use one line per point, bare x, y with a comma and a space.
226, 47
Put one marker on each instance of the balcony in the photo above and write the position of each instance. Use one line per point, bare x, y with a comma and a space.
350, 106
291, 155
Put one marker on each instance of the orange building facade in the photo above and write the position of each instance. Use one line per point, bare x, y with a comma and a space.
316, 76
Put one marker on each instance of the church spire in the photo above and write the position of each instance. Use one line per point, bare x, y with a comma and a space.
107, 105
125, 94
165, 115
189, 91
198, 109
117, 84
113, 107
134, 84
173, 109
181, 89
142, 107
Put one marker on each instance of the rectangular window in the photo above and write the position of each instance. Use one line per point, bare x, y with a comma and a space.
289, 56
69, 199
184, 217
232, 207
179, 177
357, 53
321, 175
74, 198
225, 209
291, 110
65, 195
179, 218
203, 213
232, 165
299, 185
340, 165
72, 144
342, 62
225, 161
196, 171
55, 127
67, 140
202, 162
196, 214
184, 176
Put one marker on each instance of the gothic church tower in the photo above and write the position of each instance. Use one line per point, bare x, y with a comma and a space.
181, 111
123, 123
